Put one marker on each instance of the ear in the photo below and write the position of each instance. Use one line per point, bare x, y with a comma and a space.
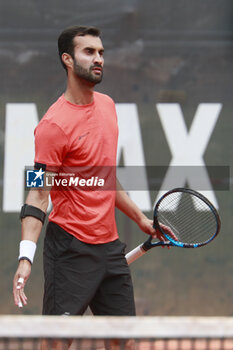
67, 60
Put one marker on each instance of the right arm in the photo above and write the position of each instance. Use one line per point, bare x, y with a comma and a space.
50, 148
31, 228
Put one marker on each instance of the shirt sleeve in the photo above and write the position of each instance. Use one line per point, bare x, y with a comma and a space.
50, 146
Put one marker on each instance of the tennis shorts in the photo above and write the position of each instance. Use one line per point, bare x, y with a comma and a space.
78, 275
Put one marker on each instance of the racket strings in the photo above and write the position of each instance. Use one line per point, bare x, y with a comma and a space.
189, 217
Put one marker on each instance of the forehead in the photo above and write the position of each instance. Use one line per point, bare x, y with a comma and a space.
81, 42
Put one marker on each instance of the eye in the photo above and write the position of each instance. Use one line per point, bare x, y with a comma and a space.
89, 51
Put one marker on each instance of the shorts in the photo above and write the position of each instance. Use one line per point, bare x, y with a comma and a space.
78, 275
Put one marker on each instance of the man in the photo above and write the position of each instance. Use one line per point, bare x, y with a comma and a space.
84, 261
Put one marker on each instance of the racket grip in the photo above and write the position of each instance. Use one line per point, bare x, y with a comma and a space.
135, 254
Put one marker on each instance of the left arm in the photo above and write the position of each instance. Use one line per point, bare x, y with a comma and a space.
129, 208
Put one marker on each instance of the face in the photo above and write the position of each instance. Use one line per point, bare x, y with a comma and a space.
88, 58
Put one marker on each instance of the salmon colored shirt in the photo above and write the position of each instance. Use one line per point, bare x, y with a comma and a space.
70, 136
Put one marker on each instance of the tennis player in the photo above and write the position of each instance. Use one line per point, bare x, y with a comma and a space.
84, 260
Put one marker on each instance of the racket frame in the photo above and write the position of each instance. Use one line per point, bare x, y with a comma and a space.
148, 244
173, 242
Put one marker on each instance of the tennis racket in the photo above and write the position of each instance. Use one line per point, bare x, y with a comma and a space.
185, 218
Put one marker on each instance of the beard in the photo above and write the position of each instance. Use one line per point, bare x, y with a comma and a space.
88, 74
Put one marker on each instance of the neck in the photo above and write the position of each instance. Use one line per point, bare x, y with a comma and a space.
79, 91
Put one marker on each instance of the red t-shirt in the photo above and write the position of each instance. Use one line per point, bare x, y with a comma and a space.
71, 136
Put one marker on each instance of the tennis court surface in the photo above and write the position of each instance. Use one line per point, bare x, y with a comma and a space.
148, 333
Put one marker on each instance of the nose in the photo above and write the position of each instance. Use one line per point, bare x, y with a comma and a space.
98, 59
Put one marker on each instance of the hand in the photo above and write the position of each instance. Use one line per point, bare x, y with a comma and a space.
146, 225
21, 276
169, 232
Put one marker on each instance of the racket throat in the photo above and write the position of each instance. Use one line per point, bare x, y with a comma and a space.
146, 245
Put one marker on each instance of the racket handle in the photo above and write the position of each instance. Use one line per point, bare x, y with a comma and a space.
135, 254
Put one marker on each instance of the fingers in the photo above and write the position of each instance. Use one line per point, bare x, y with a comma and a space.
161, 237
169, 232
148, 227
20, 283
19, 287
172, 234
158, 235
20, 298
21, 276
23, 299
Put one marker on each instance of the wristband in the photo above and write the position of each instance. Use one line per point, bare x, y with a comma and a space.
27, 250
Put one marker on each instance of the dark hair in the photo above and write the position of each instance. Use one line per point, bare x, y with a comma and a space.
65, 40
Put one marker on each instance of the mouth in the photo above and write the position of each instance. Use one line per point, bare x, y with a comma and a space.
97, 70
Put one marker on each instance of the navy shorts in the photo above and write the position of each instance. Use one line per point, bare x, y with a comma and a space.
78, 275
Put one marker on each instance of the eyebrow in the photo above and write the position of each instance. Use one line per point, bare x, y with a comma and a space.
93, 48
